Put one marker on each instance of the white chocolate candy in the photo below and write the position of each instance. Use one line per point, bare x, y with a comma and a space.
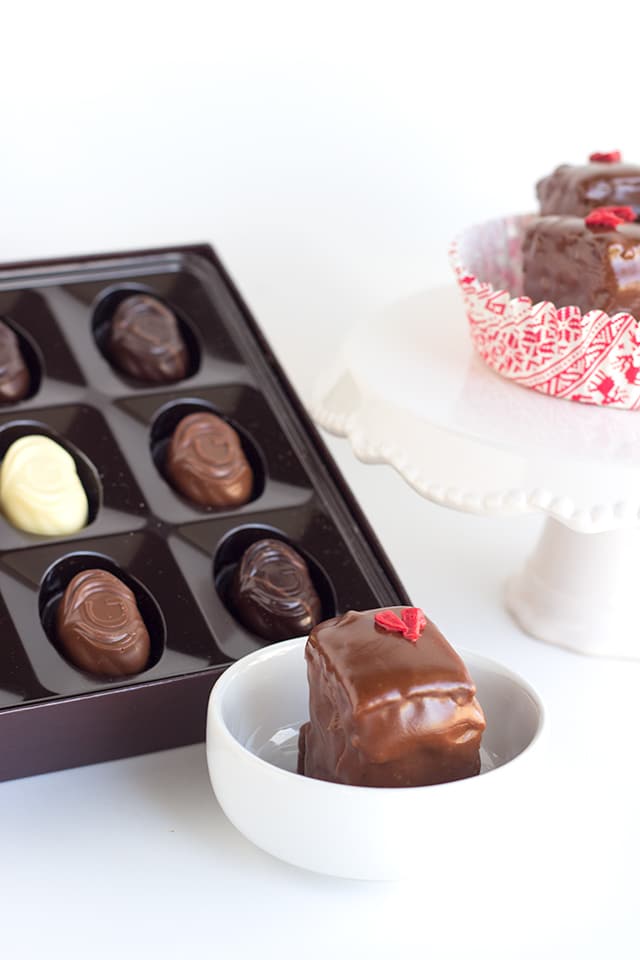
40, 490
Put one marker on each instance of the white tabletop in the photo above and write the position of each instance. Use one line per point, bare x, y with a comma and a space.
139, 851
328, 152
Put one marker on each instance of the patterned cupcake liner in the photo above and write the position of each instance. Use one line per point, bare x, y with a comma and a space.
559, 351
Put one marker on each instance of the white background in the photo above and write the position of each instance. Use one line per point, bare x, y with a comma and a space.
329, 152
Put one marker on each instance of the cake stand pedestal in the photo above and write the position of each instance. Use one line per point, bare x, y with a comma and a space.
407, 389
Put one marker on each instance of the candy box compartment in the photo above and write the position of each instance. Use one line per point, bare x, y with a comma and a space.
177, 558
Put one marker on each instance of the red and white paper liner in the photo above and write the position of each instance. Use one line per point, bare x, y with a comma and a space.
589, 358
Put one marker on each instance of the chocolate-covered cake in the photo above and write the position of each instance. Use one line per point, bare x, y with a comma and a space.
390, 703
272, 593
604, 181
14, 374
145, 341
205, 462
99, 626
592, 263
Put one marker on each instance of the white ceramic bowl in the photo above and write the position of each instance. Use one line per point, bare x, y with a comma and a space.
255, 711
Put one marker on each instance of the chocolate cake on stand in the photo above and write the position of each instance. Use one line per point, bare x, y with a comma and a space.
409, 390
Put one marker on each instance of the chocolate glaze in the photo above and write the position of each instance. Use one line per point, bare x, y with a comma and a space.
205, 462
14, 374
576, 190
272, 593
99, 626
569, 263
145, 341
386, 712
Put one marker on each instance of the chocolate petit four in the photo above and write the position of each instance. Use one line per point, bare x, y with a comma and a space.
604, 181
40, 490
99, 627
272, 593
390, 703
14, 374
205, 462
592, 263
145, 341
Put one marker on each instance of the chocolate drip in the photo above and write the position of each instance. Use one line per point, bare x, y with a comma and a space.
385, 711
206, 463
14, 374
99, 626
272, 593
145, 341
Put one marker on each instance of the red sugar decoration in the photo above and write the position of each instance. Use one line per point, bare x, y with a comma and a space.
614, 157
415, 621
410, 624
389, 620
610, 217
625, 213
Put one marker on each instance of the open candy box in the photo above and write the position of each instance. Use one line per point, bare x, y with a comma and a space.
176, 557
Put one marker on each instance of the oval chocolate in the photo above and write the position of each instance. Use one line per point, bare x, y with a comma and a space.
272, 593
205, 462
145, 341
14, 374
40, 490
99, 626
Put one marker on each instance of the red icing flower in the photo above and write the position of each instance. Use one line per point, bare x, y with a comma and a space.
609, 217
410, 623
614, 157
415, 621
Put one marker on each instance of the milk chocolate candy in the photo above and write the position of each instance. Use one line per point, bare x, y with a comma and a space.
576, 190
205, 462
145, 341
99, 626
14, 374
572, 264
390, 703
272, 593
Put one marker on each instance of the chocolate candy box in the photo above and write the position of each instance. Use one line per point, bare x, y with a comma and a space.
178, 558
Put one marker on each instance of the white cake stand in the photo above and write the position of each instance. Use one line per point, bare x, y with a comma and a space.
408, 390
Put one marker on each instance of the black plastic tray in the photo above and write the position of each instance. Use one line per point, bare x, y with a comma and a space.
176, 556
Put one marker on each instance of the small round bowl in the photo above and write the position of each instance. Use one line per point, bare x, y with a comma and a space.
255, 711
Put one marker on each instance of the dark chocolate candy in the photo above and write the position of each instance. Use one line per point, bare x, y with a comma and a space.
205, 462
14, 374
570, 264
576, 190
99, 626
145, 341
387, 711
272, 593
